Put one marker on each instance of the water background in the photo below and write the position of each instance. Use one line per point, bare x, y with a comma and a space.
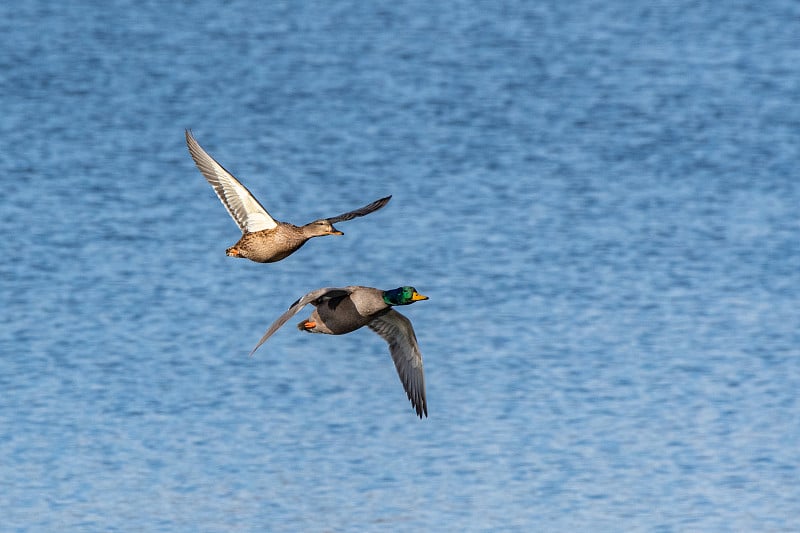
600, 198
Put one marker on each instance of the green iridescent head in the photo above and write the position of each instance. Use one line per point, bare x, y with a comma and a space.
402, 296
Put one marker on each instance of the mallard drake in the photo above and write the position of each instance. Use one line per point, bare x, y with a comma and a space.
264, 239
340, 310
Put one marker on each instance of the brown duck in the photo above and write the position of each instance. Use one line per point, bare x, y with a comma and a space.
340, 310
264, 239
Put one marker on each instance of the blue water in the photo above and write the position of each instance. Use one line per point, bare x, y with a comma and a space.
600, 198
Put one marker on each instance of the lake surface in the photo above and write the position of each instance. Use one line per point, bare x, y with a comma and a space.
600, 199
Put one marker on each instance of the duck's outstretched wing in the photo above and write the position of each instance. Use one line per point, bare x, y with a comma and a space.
396, 329
295, 308
361, 211
240, 203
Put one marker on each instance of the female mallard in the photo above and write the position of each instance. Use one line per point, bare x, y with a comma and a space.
264, 239
345, 309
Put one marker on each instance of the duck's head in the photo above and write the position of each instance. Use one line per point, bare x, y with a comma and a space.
402, 296
321, 227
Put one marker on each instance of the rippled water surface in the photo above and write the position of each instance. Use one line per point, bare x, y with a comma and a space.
600, 198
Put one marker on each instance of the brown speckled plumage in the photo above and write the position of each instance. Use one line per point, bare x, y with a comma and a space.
264, 239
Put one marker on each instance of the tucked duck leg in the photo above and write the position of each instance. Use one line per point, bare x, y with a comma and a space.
307, 325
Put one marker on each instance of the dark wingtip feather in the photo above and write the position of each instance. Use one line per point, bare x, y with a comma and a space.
420, 405
361, 211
